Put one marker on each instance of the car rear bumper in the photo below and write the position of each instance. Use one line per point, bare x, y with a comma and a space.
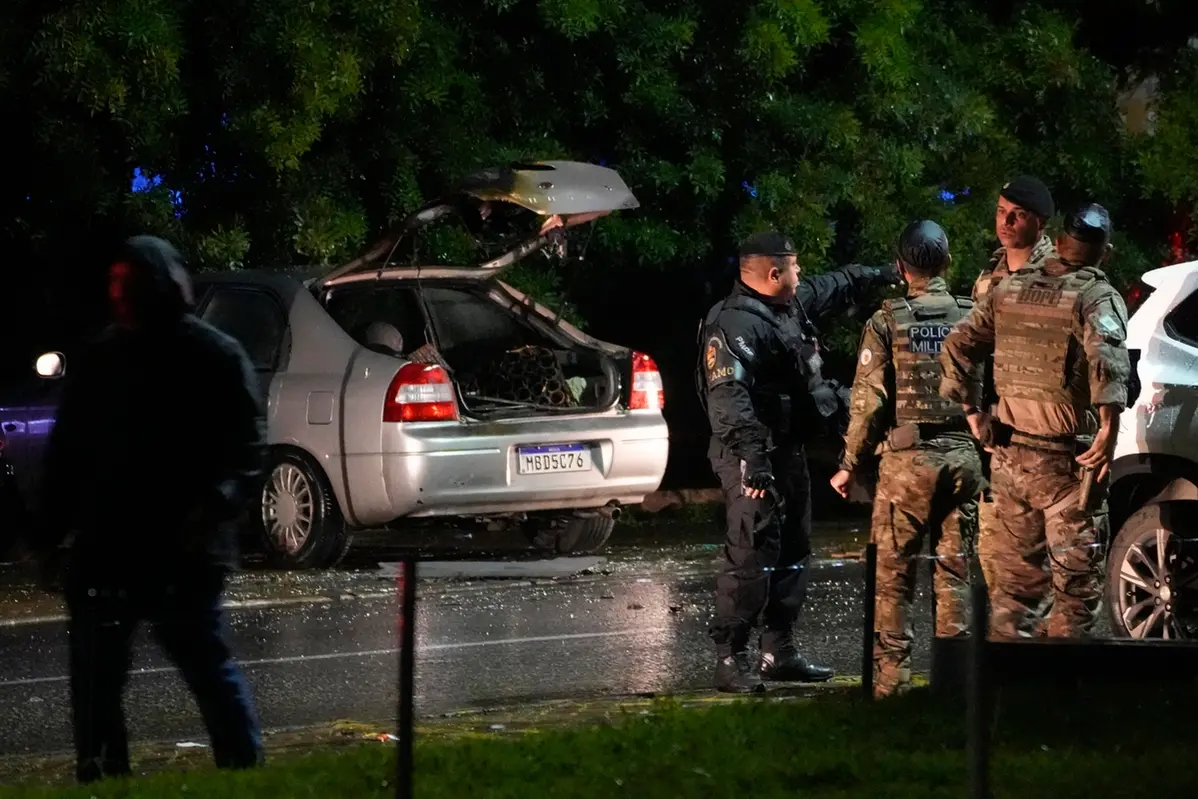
452, 469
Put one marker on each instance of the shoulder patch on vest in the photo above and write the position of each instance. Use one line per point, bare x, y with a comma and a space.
721, 366
867, 355
1109, 328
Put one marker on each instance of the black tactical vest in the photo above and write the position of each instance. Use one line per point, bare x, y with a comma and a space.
787, 385
920, 326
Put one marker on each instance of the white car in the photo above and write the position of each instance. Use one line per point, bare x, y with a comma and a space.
1152, 563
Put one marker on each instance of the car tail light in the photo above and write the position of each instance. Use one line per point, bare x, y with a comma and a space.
648, 393
1136, 295
421, 392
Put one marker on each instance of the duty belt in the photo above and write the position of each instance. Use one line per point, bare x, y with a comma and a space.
928, 431
1018, 438
912, 434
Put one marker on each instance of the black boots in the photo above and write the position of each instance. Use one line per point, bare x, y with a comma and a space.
736, 674
783, 663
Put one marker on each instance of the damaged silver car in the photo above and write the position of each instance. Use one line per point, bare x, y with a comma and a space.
400, 389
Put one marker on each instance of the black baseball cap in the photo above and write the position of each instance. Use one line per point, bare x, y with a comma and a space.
1031, 194
1090, 224
768, 243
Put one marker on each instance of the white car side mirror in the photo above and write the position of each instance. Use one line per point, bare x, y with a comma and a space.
51, 365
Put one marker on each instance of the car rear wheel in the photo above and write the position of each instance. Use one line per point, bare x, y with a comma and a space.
577, 535
1152, 574
302, 527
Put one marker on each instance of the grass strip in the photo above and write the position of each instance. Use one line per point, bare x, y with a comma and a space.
1121, 743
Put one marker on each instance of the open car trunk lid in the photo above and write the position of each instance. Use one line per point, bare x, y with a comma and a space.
546, 188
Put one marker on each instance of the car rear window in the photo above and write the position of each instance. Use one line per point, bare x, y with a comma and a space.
356, 307
464, 318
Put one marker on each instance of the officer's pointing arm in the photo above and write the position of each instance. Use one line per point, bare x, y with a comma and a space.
870, 406
968, 345
728, 376
837, 291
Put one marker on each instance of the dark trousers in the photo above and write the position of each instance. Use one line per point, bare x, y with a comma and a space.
765, 553
185, 618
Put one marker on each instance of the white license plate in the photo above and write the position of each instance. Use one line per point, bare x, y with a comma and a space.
553, 459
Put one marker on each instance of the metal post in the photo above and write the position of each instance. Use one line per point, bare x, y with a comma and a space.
977, 700
867, 633
407, 668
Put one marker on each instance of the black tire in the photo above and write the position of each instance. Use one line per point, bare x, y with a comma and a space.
578, 535
1134, 550
327, 539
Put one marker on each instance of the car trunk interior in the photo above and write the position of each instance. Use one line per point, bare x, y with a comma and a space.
505, 362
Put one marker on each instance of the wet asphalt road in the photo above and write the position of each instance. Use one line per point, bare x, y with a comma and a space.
640, 629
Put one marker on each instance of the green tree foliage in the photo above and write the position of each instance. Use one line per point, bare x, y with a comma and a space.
1169, 158
295, 132
223, 101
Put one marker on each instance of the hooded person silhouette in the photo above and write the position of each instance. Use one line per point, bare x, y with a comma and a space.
158, 444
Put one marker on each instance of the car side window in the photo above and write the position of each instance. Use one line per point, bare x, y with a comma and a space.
1182, 321
253, 317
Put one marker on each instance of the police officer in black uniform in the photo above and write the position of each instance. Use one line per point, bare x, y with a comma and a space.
760, 376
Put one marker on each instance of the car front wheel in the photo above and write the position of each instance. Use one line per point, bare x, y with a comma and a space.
1152, 574
302, 527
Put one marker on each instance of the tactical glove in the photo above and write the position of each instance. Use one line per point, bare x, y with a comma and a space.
888, 275
759, 479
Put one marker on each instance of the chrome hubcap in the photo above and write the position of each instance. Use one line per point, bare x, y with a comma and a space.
1155, 580
287, 508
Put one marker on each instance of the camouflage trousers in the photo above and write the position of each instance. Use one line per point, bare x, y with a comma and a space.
1039, 553
988, 529
922, 495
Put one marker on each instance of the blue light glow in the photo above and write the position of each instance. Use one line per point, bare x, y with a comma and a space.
949, 197
144, 180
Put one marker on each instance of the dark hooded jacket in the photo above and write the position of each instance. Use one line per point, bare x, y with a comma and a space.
159, 438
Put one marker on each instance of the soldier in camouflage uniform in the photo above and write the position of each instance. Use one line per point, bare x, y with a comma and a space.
1057, 335
1024, 208
930, 472
1021, 216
